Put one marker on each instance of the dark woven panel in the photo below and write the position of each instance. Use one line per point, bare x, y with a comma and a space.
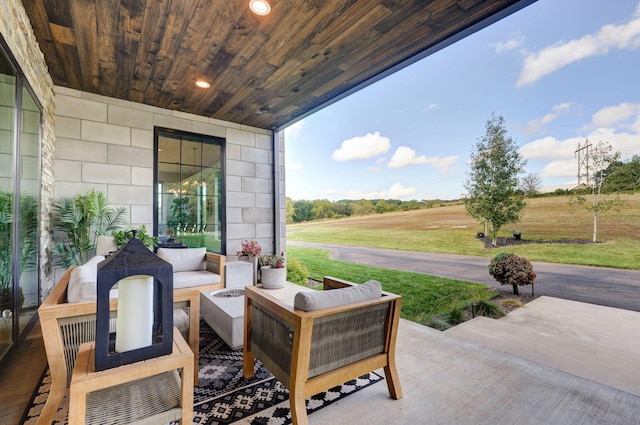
344, 338
271, 335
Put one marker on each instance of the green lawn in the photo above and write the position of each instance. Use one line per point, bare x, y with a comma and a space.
424, 296
450, 230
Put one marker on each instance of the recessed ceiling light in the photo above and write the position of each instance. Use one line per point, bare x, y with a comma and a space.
203, 84
260, 7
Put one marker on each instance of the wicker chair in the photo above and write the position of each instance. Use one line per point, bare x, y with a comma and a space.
313, 351
67, 325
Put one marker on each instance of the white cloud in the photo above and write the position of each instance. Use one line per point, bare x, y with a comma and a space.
512, 43
616, 124
289, 165
550, 148
374, 168
552, 58
294, 130
430, 107
534, 125
362, 147
405, 156
396, 191
616, 114
561, 154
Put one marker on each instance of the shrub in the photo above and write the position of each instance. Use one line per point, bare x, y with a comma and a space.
509, 269
296, 272
456, 316
439, 324
488, 309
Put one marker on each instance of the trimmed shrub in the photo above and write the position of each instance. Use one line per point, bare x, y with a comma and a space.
296, 272
510, 269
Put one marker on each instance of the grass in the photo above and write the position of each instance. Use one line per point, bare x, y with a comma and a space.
424, 296
450, 230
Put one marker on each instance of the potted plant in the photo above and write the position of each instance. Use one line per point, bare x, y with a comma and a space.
250, 252
273, 271
517, 233
83, 219
123, 236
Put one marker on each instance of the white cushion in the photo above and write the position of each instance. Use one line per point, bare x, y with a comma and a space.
317, 300
194, 278
83, 281
184, 259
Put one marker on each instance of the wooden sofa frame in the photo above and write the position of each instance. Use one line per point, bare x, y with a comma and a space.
286, 341
67, 325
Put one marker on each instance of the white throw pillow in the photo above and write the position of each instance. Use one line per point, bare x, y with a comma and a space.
83, 281
184, 259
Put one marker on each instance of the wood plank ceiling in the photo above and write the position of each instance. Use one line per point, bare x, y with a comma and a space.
264, 71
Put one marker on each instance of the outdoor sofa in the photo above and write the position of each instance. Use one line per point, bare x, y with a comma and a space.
66, 325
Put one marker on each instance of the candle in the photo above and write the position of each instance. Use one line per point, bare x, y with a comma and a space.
134, 324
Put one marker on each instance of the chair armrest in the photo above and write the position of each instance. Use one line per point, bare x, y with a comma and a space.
215, 264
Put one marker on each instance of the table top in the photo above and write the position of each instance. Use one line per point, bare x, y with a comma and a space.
286, 294
84, 373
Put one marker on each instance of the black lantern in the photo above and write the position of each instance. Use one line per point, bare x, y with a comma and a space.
144, 325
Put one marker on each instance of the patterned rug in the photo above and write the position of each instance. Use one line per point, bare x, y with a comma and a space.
223, 396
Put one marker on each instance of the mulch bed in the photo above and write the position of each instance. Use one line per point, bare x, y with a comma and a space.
503, 241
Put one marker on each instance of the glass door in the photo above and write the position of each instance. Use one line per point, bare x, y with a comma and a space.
7, 160
20, 181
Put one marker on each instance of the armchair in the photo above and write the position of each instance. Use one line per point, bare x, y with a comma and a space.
312, 351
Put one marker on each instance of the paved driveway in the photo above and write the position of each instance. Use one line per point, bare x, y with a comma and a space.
596, 285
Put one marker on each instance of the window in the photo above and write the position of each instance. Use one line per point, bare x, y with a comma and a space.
189, 183
20, 181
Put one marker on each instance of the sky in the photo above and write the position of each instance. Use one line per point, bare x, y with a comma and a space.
558, 71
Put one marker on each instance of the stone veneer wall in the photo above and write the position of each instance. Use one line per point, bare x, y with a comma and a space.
107, 144
16, 31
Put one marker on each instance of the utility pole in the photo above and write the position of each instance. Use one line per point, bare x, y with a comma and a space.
583, 162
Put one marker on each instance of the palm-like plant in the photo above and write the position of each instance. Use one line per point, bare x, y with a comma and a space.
6, 233
28, 237
83, 219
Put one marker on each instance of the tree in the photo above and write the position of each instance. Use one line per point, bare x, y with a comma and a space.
600, 157
492, 180
530, 184
510, 269
623, 176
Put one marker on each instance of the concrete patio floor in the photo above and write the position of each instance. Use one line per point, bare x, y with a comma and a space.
550, 362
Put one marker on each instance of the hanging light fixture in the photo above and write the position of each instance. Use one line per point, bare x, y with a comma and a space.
260, 7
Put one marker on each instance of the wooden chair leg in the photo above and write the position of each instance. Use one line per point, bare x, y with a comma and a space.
248, 365
56, 393
393, 381
298, 408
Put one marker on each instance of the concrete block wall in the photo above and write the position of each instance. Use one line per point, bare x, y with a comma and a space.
107, 144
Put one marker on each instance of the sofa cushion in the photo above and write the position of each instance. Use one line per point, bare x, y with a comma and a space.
194, 278
185, 259
83, 281
317, 300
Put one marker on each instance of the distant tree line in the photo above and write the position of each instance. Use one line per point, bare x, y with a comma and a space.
323, 209
623, 176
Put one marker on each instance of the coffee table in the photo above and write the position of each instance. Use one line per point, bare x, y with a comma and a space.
225, 314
